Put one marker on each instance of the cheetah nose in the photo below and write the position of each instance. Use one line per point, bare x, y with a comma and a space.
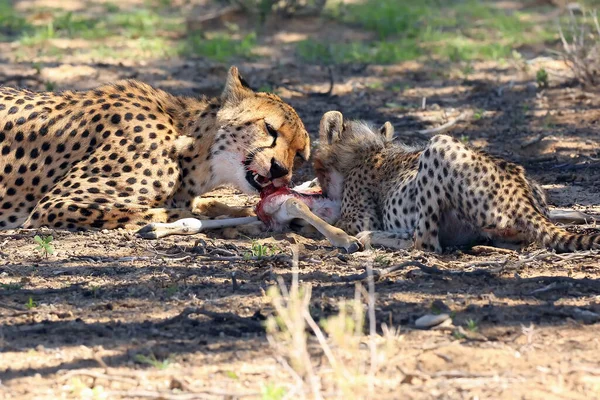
277, 170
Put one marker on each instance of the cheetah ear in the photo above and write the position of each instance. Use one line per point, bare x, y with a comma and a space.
236, 87
332, 125
387, 131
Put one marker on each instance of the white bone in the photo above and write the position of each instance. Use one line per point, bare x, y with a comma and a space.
190, 226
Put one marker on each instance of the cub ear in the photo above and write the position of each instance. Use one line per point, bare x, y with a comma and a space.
332, 124
387, 131
236, 87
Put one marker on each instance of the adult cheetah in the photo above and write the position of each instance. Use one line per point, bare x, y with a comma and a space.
126, 154
445, 194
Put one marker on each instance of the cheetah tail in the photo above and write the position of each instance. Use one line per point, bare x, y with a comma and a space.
556, 238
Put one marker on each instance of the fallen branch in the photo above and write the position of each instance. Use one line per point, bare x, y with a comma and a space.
445, 126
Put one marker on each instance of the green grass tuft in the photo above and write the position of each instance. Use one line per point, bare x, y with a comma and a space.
452, 30
11, 23
221, 47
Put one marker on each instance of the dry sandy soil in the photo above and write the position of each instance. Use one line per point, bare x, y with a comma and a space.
105, 298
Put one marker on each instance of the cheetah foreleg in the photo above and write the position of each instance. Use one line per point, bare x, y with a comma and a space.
393, 240
293, 208
190, 226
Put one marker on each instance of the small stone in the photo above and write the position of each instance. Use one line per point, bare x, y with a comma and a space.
430, 320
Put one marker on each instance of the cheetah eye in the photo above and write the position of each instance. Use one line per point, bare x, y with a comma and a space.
300, 157
272, 131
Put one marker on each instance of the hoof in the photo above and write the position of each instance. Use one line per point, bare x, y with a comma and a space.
353, 248
147, 232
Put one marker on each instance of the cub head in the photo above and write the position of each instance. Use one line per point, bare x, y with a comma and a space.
342, 146
259, 137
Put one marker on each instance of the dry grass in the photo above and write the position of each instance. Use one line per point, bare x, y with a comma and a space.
582, 52
333, 358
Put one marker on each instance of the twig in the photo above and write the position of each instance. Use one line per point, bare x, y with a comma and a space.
443, 127
461, 374
550, 287
154, 394
98, 375
311, 93
380, 273
533, 140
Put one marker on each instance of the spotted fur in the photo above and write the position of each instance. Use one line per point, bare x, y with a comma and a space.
127, 154
444, 194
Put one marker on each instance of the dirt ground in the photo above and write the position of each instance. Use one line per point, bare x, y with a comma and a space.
81, 322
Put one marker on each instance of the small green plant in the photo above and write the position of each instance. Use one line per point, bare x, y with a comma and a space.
44, 244
467, 69
259, 250
464, 139
375, 85
11, 286
270, 391
94, 289
541, 77
382, 260
472, 325
30, 304
38, 67
458, 335
50, 86
111, 7
477, 115
232, 375
172, 290
153, 361
397, 107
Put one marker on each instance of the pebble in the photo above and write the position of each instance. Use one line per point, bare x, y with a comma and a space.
430, 320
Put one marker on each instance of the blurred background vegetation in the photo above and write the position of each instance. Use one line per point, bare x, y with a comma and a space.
321, 32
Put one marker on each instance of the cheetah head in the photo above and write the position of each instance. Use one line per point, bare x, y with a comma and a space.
259, 137
342, 144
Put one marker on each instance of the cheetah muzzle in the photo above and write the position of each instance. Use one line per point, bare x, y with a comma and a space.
127, 154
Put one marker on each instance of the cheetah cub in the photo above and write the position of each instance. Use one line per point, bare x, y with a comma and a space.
445, 194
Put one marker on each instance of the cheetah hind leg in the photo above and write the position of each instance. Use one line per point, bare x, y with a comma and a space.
190, 226
392, 240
